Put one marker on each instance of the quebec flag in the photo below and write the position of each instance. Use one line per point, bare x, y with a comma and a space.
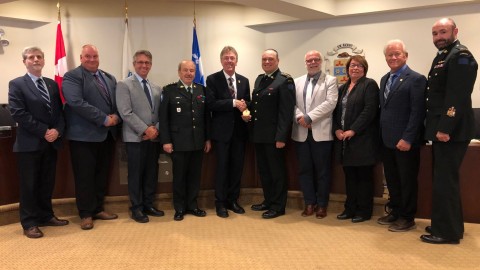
196, 58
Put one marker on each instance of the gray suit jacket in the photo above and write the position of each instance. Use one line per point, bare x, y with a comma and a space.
134, 108
86, 108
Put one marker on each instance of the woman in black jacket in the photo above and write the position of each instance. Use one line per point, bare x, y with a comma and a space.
356, 138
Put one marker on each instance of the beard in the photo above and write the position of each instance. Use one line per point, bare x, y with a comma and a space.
443, 43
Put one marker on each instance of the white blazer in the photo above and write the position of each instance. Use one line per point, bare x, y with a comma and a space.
324, 100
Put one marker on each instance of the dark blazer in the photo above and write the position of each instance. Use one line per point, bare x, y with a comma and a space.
184, 118
226, 119
272, 107
30, 111
86, 108
449, 104
403, 113
361, 116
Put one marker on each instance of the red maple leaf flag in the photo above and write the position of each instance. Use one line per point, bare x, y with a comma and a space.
60, 59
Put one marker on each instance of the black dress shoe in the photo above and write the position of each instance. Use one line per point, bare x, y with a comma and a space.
272, 214
344, 215
178, 215
54, 221
259, 207
222, 212
197, 212
139, 216
236, 208
431, 239
33, 232
152, 211
357, 219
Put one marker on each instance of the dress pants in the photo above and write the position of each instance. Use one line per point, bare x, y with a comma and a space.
315, 172
91, 165
273, 175
37, 171
187, 169
142, 173
359, 189
447, 215
401, 173
230, 158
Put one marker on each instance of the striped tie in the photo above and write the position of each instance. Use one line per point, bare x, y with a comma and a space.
44, 93
231, 89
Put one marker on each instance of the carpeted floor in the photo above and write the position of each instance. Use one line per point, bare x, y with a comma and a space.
238, 242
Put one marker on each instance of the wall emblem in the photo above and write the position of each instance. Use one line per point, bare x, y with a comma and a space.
339, 56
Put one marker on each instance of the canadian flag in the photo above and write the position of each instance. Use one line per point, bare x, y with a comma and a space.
60, 60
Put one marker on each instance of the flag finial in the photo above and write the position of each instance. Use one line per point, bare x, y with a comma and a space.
58, 10
126, 11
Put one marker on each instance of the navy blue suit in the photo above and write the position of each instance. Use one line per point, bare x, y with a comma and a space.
229, 134
91, 142
37, 158
401, 118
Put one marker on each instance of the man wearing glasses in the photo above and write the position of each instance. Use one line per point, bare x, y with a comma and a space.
138, 100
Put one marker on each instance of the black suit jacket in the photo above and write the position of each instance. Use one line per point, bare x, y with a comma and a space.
184, 118
449, 104
272, 107
226, 119
403, 112
361, 117
30, 111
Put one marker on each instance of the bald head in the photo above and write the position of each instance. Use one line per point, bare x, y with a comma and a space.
444, 33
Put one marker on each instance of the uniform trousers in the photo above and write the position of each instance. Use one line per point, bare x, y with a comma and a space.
187, 169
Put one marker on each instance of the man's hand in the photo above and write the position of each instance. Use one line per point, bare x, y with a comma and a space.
246, 118
347, 135
279, 144
301, 121
339, 134
150, 133
208, 146
112, 120
443, 137
51, 135
168, 147
240, 105
403, 145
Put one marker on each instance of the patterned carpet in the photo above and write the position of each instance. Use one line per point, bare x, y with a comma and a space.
238, 242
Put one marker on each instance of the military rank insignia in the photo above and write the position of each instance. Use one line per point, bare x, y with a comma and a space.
451, 112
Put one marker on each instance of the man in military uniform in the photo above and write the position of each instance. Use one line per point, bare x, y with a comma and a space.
450, 127
273, 102
184, 133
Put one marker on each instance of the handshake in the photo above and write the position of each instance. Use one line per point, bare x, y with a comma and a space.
240, 105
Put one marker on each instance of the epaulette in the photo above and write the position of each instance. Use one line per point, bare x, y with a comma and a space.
170, 84
286, 75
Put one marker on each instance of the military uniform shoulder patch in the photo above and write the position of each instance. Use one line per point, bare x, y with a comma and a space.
451, 112
286, 75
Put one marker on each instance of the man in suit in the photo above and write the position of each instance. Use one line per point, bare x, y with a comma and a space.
402, 111
450, 127
92, 120
227, 96
138, 101
184, 133
316, 98
272, 106
36, 106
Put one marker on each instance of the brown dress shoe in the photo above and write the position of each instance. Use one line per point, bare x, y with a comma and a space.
105, 216
402, 225
321, 212
87, 223
33, 232
54, 221
309, 210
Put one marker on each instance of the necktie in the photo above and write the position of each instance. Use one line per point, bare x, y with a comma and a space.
147, 93
308, 96
189, 90
103, 89
44, 93
389, 85
230, 87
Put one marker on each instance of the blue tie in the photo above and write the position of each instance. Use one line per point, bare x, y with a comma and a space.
389, 85
147, 93
44, 93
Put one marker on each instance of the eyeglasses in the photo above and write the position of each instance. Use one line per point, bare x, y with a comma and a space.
313, 60
352, 66
148, 63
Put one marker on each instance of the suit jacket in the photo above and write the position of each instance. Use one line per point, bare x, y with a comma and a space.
134, 108
449, 104
403, 112
324, 100
272, 106
86, 108
361, 117
30, 111
184, 118
226, 119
